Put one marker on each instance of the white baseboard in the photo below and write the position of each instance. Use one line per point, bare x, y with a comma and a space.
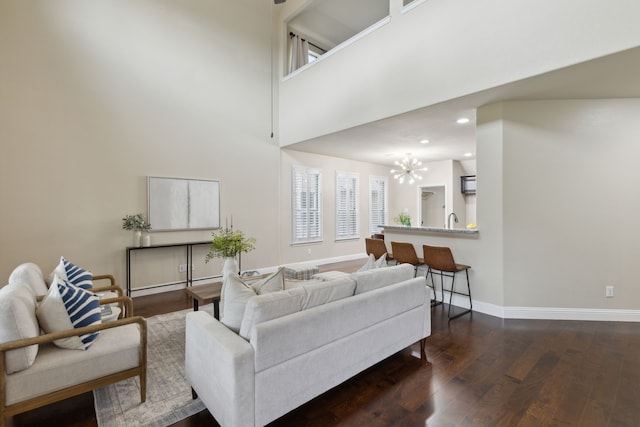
547, 313
553, 313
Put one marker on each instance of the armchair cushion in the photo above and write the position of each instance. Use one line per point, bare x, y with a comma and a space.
66, 307
55, 369
18, 321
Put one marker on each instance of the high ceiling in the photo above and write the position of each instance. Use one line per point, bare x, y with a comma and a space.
384, 141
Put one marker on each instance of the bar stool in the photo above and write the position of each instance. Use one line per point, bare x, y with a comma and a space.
406, 253
440, 259
377, 248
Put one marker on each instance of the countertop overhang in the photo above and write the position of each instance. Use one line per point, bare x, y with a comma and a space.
431, 229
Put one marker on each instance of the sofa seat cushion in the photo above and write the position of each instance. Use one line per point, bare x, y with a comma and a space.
380, 277
18, 321
56, 368
31, 275
263, 308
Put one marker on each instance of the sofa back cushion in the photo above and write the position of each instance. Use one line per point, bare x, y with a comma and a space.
280, 340
31, 275
262, 308
377, 278
18, 321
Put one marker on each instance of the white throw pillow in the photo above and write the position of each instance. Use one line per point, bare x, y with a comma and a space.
18, 321
73, 274
233, 300
272, 283
235, 294
372, 263
382, 261
67, 307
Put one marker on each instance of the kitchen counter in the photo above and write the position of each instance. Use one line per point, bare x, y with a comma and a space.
439, 230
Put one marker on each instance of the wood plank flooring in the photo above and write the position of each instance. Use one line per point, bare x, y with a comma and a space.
482, 371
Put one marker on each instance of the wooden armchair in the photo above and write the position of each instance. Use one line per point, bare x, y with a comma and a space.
119, 352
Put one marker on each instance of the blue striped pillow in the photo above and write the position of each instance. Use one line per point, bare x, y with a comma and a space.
67, 307
76, 275
83, 308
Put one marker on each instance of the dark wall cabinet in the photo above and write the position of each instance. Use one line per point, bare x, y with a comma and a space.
468, 184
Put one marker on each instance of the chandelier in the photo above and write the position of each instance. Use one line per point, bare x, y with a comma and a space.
409, 169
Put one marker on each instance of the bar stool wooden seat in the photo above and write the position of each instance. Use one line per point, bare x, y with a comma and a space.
406, 253
440, 259
377, 247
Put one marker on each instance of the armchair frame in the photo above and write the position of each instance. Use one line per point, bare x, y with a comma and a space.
36, 402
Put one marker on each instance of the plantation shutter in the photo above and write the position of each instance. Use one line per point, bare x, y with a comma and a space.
377, 203
307, 205
347, 217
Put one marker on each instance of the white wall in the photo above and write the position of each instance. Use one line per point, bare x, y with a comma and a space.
570, 202
98, 95
442, 50
329, 247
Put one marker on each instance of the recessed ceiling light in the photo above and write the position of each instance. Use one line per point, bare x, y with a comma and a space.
424, 141
468, 154
462, 120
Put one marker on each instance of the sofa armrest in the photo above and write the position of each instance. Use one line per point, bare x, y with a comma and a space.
219, 365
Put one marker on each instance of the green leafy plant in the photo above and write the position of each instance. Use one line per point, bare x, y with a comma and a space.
403, 218
135, 222
228, 242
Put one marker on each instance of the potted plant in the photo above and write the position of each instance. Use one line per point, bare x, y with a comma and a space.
137, 224
227, 243
403, 218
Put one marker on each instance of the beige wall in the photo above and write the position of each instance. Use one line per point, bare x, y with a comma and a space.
95, 96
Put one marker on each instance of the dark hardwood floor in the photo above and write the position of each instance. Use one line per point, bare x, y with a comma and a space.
482, 371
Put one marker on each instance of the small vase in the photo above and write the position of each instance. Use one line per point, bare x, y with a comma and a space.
137, 238
146, 240
230, 266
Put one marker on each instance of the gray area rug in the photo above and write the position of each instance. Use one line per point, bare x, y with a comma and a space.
168, 393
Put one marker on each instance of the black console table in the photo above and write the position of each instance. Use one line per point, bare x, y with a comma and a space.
189, 249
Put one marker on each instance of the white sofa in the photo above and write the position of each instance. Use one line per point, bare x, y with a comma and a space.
292, 354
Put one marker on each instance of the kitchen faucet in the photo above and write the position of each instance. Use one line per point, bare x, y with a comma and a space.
455, 219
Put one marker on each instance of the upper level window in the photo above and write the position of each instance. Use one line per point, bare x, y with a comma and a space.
378, 195
347, 216
326, 24
307, 204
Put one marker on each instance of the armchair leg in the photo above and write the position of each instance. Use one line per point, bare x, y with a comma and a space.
423, 353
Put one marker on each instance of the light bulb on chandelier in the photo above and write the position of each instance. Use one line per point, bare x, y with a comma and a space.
409, 169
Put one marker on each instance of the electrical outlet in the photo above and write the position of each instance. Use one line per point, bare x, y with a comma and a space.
182, 268
309, 251
608, 291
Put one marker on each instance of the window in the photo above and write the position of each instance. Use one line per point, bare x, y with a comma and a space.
307, 205
377, 203
347, 218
